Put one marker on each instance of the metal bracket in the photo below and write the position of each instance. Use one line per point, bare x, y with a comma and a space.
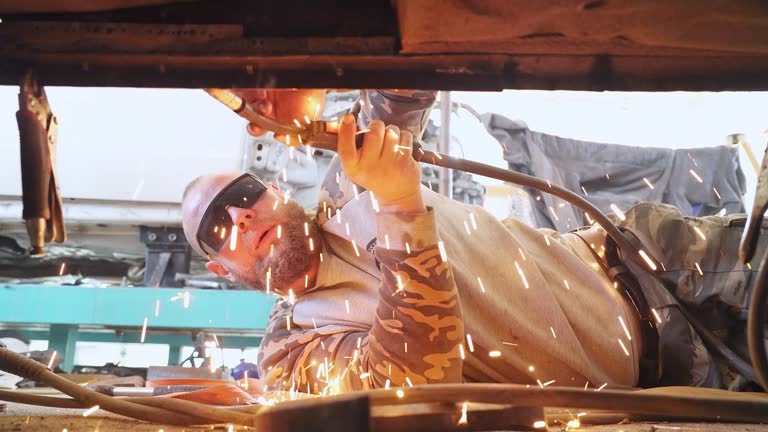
167, 253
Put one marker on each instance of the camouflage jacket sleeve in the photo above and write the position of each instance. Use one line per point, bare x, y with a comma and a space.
406, 109
415, 336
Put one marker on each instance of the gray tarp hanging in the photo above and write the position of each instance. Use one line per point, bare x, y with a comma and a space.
613, 174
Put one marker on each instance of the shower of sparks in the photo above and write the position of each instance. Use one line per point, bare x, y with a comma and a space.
692, 160
700, 233
400, 393
553, 332
362, 131
306, 229
287, 197
601, 387
61, 270
279, 231
539, 424
696, 176
346, 303
461, 352
618, 212
494, 354
233, 238
698, 268
717, 193
589, 219
522, 275
586, 385
408, 380
317, 111
215, 340
386, 240
463, 419
480, 282
399, 283
624, 326
354, 245
548, 383
521, 253
50, 362
531, 368
405, 349
357, 194
144, 330
288, 322
551, 210
584, 190
271, 250
374, 203
90, 410
509, 343
466, 227
346, 227
306, 119
469, 343
274, 206
364, 375
443, 255
311, 245
407, 248
566, 284
573, 424
656, 315
157, 308
386, 384
297, 123
269, 278
185, 299
321, 257
292, 298
285, 175
749, 266
647, 260
223, 233
230, 428
623, 347
473, 221
648, 183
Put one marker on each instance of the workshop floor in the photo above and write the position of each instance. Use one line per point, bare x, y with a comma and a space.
25, 418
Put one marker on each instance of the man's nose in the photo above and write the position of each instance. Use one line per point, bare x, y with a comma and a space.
243, 219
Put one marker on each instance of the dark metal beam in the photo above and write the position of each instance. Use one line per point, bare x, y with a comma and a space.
455, 72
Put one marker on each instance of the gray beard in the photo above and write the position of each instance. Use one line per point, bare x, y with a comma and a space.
291, 260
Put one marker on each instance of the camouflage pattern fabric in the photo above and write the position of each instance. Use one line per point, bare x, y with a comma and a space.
700, 265
417, 292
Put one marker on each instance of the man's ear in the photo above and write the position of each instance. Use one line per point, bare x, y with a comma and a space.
276, 188
217, 268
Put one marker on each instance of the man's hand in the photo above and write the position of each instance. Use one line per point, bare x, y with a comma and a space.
383, 165
283, 105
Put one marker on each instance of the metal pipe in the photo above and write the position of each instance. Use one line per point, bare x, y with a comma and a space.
444, 144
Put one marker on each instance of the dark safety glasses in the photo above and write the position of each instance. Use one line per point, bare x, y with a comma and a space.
216, 223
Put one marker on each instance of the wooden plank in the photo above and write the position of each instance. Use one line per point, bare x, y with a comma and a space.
621, 27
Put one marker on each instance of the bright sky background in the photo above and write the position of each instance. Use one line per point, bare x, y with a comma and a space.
147, 144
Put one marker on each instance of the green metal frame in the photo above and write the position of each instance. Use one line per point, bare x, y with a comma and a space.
65, 308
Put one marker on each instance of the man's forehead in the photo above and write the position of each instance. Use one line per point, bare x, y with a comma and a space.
202, 193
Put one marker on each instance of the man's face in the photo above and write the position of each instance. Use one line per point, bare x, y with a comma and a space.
271, 248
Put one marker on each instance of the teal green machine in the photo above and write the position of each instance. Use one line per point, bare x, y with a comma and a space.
65, 314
